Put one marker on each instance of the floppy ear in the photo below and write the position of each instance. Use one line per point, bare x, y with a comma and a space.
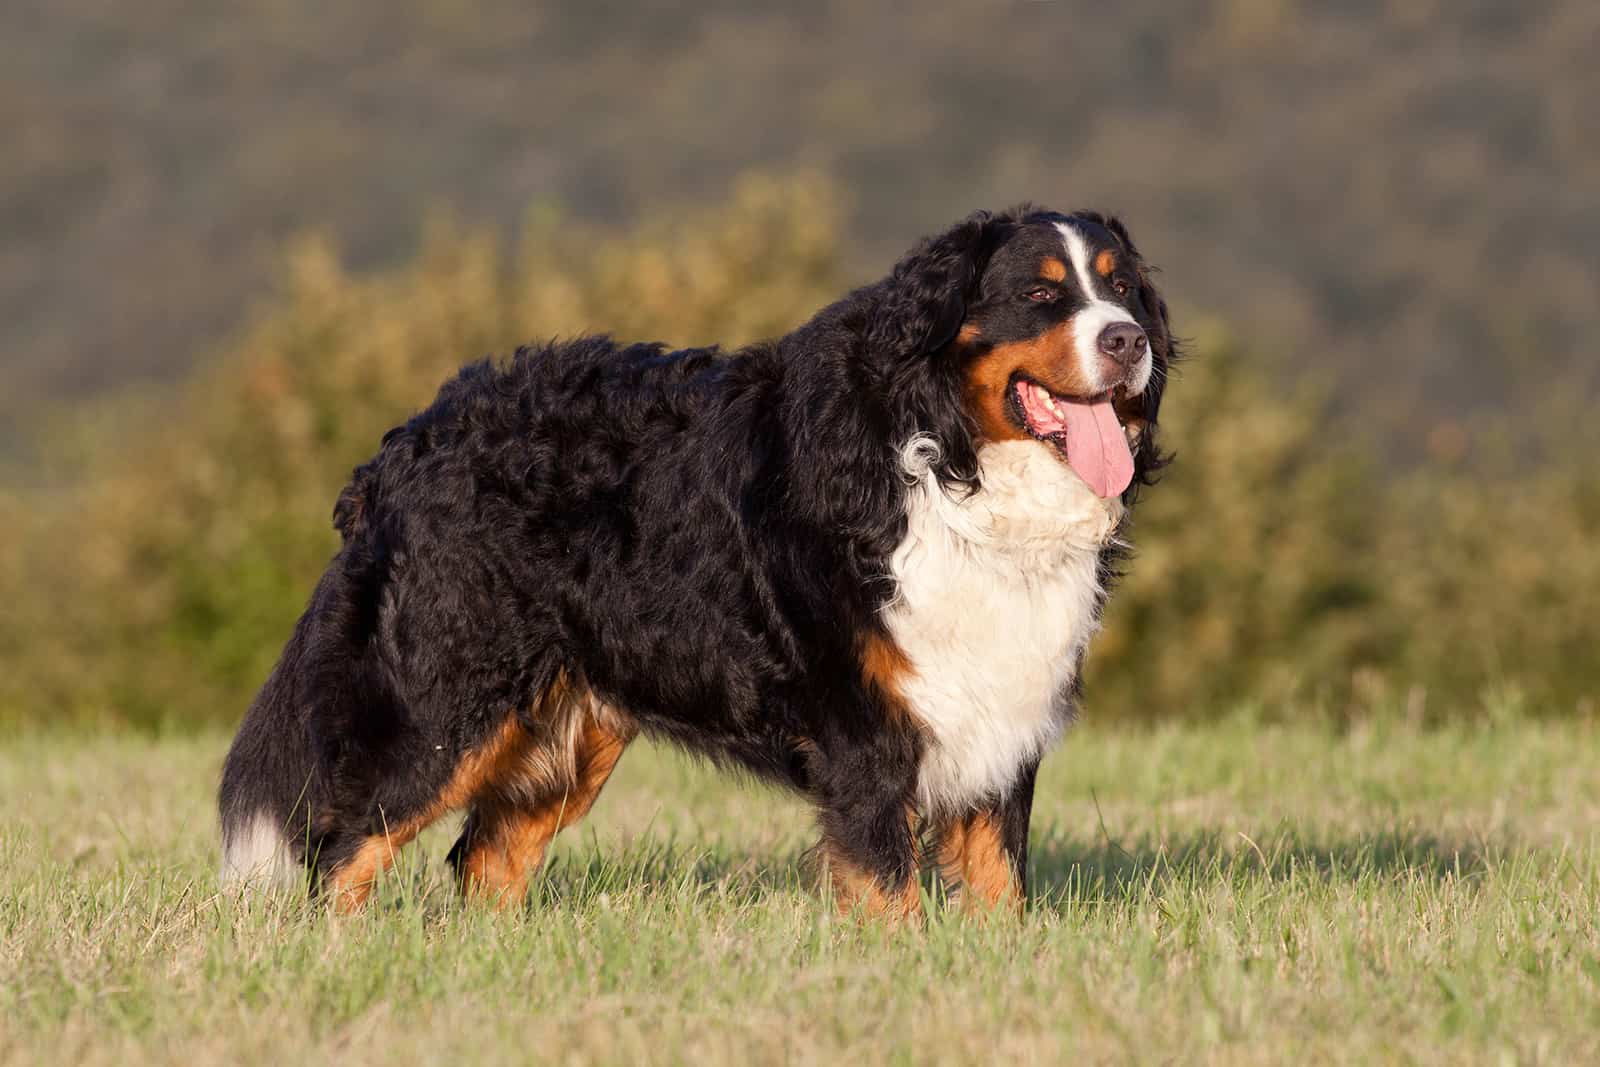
927, 293
917, 312
1148, 457
1150, 298
1155, 308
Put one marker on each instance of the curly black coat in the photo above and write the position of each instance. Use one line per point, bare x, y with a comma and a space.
596, 539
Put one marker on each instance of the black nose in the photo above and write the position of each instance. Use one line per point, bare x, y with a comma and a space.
1123, 341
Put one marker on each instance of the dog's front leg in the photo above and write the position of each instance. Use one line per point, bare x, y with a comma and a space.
985, 850
869, 848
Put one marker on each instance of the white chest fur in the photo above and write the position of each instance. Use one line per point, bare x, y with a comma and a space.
995, 605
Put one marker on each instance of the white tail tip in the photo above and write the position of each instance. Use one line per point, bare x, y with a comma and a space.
256, 856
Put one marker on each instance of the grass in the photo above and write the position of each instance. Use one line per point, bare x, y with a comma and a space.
1238, 893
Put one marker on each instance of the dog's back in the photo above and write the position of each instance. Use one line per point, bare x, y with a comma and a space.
864, 560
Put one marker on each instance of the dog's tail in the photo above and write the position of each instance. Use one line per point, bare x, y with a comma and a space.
268, 781
277, 779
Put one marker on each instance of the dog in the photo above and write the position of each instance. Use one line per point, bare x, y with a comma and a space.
863, 560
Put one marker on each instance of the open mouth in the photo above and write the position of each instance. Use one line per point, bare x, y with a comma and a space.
1087, 434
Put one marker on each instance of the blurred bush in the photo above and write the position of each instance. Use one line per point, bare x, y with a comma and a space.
1278, 565
1273, 564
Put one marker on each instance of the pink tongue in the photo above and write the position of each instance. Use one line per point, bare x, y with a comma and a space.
1097, 449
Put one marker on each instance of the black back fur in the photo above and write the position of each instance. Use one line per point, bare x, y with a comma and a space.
701, 537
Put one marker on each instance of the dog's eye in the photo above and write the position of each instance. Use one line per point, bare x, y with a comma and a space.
1120, 286
1041, 294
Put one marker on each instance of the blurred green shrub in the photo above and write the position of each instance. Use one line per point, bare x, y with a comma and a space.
1272, 566
1277, 566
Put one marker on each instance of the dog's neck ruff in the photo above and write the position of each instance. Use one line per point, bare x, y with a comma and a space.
997, 597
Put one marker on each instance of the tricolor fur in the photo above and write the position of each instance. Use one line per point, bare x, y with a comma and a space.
864, 560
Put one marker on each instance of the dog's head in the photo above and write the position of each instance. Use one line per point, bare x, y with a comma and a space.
1038, 326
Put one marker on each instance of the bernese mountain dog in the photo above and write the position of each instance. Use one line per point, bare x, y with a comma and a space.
863, 560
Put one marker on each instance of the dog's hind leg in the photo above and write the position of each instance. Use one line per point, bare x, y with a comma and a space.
350, 863
512, 823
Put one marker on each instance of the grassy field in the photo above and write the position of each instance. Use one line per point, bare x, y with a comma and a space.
1239, 893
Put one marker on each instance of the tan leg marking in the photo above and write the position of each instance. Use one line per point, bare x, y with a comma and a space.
854, 887
510, 836
351, 884
972, 854
516, 767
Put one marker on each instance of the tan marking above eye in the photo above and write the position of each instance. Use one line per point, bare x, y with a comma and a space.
1054, 270
1105, 263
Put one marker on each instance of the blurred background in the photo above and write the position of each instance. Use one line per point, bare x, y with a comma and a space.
238, 242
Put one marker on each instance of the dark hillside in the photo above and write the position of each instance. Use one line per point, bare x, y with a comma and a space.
1399, 195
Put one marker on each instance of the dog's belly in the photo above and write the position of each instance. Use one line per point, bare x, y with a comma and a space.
997, 600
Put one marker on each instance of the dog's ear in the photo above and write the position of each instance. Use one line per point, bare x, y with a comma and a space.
1156, 305
927, 293
1148, 457
1151, 301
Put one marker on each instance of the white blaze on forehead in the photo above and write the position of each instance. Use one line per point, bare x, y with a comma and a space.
1098, 313
1078, 253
